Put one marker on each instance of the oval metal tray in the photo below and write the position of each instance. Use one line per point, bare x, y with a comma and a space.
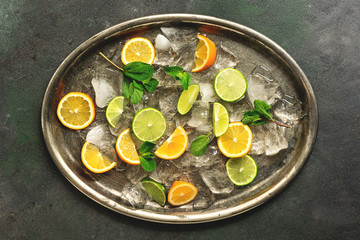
64, 144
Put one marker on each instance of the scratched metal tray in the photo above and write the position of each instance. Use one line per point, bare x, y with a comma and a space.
64, 144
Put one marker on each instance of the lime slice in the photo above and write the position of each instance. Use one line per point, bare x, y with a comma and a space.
187, 98
230, 84
241, 171
220, 119
114, 110
155, 190
149, 124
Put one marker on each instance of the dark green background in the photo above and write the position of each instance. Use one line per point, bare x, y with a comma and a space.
322, 202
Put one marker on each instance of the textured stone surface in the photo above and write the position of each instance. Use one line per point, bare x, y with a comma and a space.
37, 202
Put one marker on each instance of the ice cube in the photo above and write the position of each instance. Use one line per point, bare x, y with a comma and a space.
100, 136
258, 145
168, 102
124, 121
106, 84
288, 110
275, 140
180, 37
211, 157
261, 86
200, 116
204, 199
162, 43
215, 177
135, 195
165, 173
225, 59
207, 92
135, 173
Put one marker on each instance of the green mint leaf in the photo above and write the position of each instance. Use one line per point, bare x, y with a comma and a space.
151, 84
126, 86
138, 86
148, 155
138, 70
185, 80
146, 147
179, 74
260, 122
199, 145
148, 163
136, 95
174, 71
250, 117
263, 109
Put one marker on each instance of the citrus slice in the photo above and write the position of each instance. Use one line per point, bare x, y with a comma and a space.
174, 146
114, 110
187, 98
181, 193
205, 54
94, 160
76, 110
149, 124
236, 141
230, 84
241, 171
125, 148
220, 119
155, 190
138, 50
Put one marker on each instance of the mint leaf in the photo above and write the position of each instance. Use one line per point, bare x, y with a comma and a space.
146, 147
250, 117
126, 86
174, 71
263, 109
136, 95
185, 80
179, 74
150, 85
138, 71
138, 86
199, 145
148, 163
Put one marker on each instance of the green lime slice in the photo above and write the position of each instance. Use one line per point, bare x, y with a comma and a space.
220, 119
241, 171
155, 190
230, 84
149, 124
114, 110
187, 98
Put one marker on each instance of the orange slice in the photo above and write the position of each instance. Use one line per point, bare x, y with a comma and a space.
76, 110
236, 141
174, 146
126, 149
138, 50
181, 193
94, 160
205, 54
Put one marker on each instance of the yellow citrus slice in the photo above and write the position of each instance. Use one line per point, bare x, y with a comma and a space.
138, 50
126, 149
205, 54
181, 193
236, 141
94, 160
174, 146
76, 110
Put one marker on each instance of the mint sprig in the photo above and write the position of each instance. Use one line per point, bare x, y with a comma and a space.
199, 146
137, 78
147, 157
260, 115
179, 74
